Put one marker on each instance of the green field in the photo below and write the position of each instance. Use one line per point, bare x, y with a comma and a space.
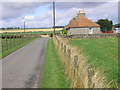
102, 53
10, 45
53, 72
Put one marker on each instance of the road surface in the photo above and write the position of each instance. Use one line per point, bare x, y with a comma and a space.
22, 68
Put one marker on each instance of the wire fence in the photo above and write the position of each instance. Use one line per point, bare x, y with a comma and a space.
11, 41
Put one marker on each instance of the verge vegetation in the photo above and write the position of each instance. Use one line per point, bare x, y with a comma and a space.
53, 72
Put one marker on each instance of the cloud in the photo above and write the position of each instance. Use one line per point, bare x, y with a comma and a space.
29, 18
17, 9
68, 5
107, 10
64, 13
41, 20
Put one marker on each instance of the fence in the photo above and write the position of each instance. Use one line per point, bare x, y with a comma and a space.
105, 35
10, 41
76, 67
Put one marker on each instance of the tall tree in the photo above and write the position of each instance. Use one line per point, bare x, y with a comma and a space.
105, 24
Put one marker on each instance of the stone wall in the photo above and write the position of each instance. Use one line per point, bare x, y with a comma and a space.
73, 31
82, 36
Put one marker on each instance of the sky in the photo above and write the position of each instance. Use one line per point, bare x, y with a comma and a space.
39, 14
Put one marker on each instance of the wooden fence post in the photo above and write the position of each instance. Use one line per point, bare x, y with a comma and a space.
69, 53
75, 64
14, 41
17, 41
6, 43
90, 76
64, 49
10, 42
61, 46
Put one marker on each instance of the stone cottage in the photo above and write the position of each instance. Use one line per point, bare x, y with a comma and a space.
82, 25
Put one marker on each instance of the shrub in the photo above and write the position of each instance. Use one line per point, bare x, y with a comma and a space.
64, 32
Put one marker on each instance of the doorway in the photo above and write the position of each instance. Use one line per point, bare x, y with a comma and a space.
90, 31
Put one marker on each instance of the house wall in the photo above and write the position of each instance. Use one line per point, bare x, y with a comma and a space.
95, 30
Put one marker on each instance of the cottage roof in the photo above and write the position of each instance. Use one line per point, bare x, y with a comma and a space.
82, 21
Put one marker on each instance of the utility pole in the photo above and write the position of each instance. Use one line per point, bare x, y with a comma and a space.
24, 26
54, 16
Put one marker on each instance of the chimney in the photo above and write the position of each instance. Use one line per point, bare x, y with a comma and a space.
81, 13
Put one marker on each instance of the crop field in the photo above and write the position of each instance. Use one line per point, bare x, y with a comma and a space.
102, 54
9, 45
30, 30
18, 33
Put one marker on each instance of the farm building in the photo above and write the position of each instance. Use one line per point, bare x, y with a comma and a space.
82, 25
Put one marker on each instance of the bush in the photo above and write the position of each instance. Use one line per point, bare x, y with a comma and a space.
64, 32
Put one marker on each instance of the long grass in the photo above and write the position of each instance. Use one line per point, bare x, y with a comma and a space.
103, 54
53, 73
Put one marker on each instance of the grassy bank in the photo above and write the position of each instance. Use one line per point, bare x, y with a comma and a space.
102, 53
53, 72
10, 49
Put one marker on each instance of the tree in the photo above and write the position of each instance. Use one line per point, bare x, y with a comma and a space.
105, 24
117, 25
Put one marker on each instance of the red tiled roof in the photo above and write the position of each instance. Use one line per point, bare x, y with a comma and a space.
81, 22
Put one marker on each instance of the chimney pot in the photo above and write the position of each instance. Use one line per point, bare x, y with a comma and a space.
81, 13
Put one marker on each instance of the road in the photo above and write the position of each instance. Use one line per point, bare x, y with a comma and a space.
22, 68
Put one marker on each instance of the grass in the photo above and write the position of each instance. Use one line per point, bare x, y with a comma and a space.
10, 49
102, 53
53, 72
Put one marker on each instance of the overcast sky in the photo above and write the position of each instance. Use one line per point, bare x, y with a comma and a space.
39, 14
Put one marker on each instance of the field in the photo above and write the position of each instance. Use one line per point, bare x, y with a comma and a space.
102, 53
30, 33
10, 45
53, 72
30, 30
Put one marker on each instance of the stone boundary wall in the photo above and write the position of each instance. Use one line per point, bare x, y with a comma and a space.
105, 35
76, 67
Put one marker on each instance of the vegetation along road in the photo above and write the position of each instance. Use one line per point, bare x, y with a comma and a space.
22, 68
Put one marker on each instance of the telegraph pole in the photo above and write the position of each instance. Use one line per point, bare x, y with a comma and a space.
24, 26
54, 16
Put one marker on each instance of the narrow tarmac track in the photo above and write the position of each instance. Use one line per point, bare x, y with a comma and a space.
22, 68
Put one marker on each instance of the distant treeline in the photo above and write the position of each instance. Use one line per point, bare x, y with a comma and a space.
58, 27
30, 28
10, 28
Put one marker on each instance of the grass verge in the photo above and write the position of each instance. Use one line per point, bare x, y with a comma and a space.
53, 73
102, 53
5, 53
